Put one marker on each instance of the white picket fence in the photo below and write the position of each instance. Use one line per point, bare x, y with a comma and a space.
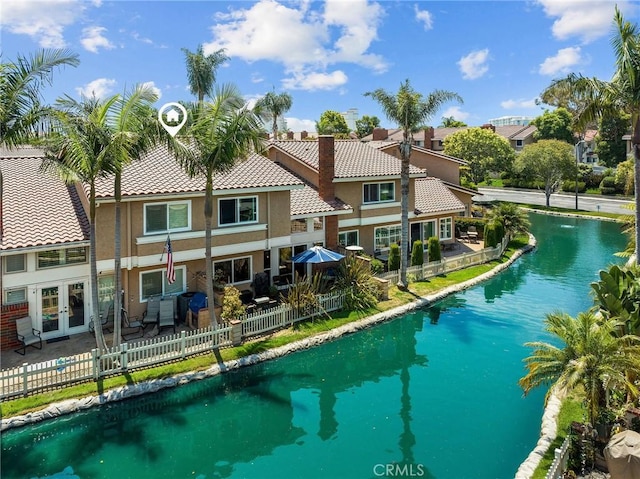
560, 460
30, 378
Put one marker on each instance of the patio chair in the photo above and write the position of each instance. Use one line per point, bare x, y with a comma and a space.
106, 315
166, 315
136, 325
150, 316
27, 335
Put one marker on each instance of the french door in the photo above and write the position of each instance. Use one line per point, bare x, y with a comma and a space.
61, 307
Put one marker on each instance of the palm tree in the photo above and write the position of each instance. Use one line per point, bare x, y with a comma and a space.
592, 357
513, 218
621, 93
201, 70
410, 111
273, 105
132, 135
223, 132
81, 148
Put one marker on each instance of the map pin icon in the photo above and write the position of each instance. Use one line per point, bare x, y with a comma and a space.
173, 114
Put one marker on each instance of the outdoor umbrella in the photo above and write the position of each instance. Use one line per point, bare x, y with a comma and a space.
317, 254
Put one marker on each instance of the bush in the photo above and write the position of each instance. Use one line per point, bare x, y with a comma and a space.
433, 249
493, 233
608, 182
377, 266
417, 254
354, 279
232, 307
605, 190
394, 257
570, 186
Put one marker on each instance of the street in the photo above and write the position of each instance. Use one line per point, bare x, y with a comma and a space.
560, 200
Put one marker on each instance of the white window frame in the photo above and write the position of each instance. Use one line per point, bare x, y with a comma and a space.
237, 199
445, 224
397, 228
164, 282
233, 260
6, 263
5, 298
62, 257
168, 204
378, 184
345, 234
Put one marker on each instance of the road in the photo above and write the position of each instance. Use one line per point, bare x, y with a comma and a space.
560, 200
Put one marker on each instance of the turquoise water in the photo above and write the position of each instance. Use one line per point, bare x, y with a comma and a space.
431, 394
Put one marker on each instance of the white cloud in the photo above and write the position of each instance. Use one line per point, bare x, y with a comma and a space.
93, 38
43, 20
296, 124
519, 103
153, 86
474, 64
315, 80
456, 113
424, 16
100, 88
342, 32
585, 19
562, 62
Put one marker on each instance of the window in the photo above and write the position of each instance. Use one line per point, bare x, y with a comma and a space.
15, 263
232, 271
428, 230
519, 143
233, 211
445, 228
379, 192
167, 217
299, 226
387, 235
154, 283
106, 288
61, 257
318, 223
17, 295
348, 238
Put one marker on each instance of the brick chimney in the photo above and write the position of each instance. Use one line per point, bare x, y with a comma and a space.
326, 188
429, 133
289, 135
488, 126
303, 134
380, 134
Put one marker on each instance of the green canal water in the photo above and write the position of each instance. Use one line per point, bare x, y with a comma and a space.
431, 394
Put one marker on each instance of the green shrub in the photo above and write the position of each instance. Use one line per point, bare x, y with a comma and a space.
570, 186
394, 257
354, 279
232, 307
608, 182
377, 266
417, 254
433, 249
493, 233
606, 190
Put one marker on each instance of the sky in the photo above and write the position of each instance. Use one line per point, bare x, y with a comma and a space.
497, 55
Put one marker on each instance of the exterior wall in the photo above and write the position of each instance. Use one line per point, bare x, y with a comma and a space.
351, 193
307, 173
8, 316
437, 167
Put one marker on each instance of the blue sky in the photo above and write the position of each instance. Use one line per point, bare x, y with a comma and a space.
498, 56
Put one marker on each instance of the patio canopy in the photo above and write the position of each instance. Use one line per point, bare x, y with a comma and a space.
317, 254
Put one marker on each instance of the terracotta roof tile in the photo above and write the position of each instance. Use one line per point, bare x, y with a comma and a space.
353, 159
307, 201
158, 173
433, 196
38, 209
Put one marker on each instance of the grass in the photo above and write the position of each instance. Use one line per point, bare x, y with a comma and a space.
555, 209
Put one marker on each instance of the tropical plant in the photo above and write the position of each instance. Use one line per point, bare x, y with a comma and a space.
354, 280
451, 122
201, 70
417, 254
617, 296
332, 123
81, 148
592, 357
223, 132
513, 218
303, 294
410, 110
547, 161
272, 106
621, 93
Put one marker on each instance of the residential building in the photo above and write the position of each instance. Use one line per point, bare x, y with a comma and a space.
511, 121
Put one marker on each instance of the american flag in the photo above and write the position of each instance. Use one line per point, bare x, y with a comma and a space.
171, 272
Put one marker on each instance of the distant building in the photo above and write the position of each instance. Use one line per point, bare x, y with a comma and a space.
511, 121
350, 116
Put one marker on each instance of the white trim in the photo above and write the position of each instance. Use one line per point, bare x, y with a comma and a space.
373, 179
237, 200
30, 249
375, 206
167, 204
238, 228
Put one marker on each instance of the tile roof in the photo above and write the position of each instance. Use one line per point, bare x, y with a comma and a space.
353, 159
433, 196
386, 144
38, 209
307, 201
158, 173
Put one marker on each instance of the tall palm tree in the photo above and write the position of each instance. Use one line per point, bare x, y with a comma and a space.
592, 357
133, 134
201, 70
273, 105
222, 133
411, 112
513, 218
621, 93
81, 148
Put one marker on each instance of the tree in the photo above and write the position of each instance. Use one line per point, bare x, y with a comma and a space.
610, 147
451, 122
554, 125
81, 149
547, 161
513, 218
592, 357
482, 149
332, 123
366, 125
621, 93
272, 106
224, 131
201, 70
410, 111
